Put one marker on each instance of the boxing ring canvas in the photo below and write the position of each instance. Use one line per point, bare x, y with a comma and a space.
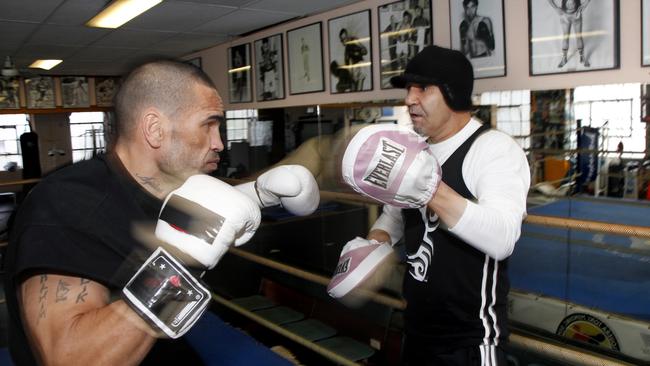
573, 35
588, 286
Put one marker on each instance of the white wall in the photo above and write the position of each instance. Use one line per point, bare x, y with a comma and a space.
214, 60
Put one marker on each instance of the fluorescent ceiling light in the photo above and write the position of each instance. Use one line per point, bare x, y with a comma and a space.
45, 64
120, 12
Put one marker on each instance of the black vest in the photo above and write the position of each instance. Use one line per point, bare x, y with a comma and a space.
450, 284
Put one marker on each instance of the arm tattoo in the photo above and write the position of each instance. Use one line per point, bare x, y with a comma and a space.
150, 181
62, 290
81, 297
42, 297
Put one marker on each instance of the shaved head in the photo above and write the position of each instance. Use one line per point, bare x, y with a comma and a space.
166, 85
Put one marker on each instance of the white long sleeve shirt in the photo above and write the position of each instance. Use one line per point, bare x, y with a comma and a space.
496, 172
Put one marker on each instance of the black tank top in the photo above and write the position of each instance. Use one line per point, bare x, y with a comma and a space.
456, 294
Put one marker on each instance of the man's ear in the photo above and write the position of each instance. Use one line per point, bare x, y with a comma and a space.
152, 127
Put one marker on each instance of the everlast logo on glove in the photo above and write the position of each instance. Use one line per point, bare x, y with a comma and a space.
342, 267
391, 164
387, 155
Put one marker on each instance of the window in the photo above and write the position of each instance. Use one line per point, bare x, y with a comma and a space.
616, 111
237, 124
87, 134
11, 127
513, 113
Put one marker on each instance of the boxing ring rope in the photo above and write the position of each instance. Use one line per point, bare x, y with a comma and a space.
20, 182
552, 221
544, 348
282, 331
561, 353
315, 278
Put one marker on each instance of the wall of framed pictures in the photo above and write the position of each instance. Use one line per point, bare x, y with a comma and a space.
515, 45
44, 92
616, 49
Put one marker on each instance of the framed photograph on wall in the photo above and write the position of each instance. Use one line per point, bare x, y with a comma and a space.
645, 32
305, 54
404, 29
105, 89
240, 89
477, 30
573, 35
269, 66
350, 52
39, 91
74, 91
9, 93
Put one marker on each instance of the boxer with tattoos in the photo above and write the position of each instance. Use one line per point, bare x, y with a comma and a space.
82, 287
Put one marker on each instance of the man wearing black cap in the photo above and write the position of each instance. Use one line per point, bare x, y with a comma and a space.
457, 246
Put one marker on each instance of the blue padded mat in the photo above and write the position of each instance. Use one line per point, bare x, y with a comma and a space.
608, 272
217, 343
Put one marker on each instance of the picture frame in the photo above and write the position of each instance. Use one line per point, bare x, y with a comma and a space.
645, 33
478, 31
105, 89
10, 93
39, 92
240, 85
350, 53
556, 46
269, 64
405, 27
74, 92
305, 56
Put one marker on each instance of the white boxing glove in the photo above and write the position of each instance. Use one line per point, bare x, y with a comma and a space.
292, 186
205, 216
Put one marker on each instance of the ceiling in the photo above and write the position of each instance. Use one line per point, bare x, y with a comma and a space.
54, 29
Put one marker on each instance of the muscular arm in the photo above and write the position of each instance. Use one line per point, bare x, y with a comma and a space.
69, 320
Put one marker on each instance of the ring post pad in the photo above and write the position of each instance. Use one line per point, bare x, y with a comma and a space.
166, 295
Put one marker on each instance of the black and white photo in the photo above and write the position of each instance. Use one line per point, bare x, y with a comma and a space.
477, 30
74, 90
239, 74
404, 29
573, 35
645, 32
105, 89
269, 80
305, 54
39, 91
9, 93
350, 53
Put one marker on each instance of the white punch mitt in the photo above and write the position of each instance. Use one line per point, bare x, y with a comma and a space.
391, 164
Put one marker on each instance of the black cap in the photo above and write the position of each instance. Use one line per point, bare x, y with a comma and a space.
448, 69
